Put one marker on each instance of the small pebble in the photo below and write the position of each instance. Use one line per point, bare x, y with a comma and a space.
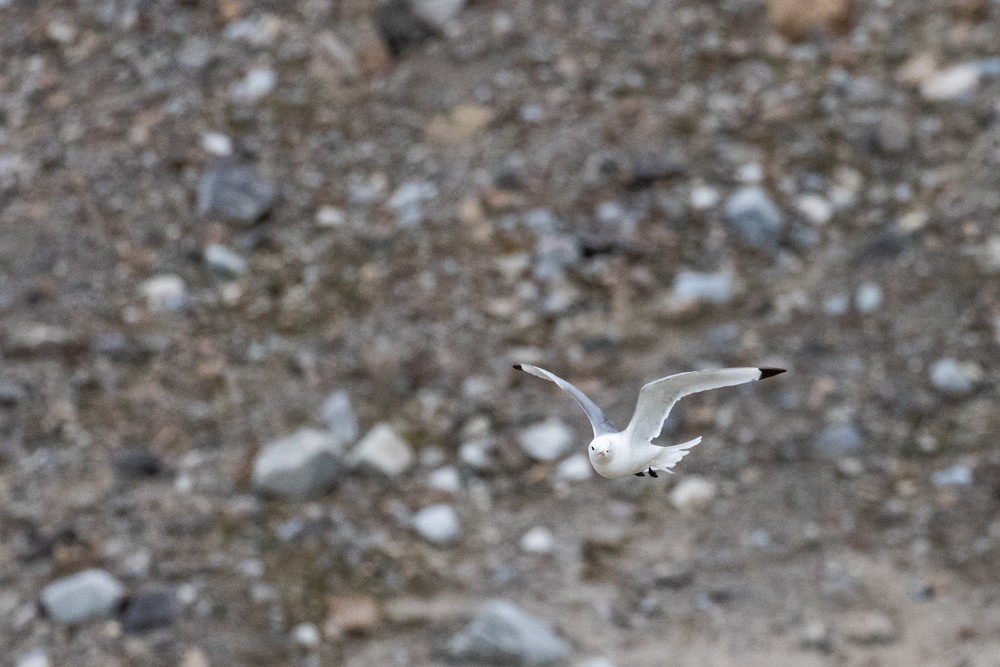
547, 440
164, 294
958, 475
37, 658
255, 86
871, 627
297, 466
538, 540
838, 440
704, 197
574, 468
82, 596
150, 610
384, 450
754, 218
437, 524
868, 298
235, 191
445, 479
306, 635
815, 209
952, 83
693, 493
954, 377
222, 261
503, 633
217, 144
338, 415
330, 216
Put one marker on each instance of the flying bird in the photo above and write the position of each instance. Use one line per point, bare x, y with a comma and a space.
615, 453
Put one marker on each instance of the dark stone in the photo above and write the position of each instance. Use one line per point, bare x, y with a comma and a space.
138, 462
235, 191
400, 28
151, 610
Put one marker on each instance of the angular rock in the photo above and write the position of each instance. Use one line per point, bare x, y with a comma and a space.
235, 191
547, 440
445, 479
693, 493
150, 610
224, 262
503, 633
437, 13
165, 294
383, 450
400, 27
338, 415
796, 19
958, 475
894, 134
88, 594
950, 376
437, 523
255, 86
297, 466
839, 440
754, 218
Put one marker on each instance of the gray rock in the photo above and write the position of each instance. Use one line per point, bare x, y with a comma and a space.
89, 594
554, 253
437, 13
235, 191
547, 440
407, 202
30, 338
11, 394
338, 415
437, 523
165, 294
383, 450
37, 658
868, 298
815, 636
958, 475
754, 218
951, 376
951, 84
400, 27
838, 440
695, 287
693, 493
574, 468
503, 633
150, 610
224, 262
445, 479
297, 466
894, 133
255, 86
538, 540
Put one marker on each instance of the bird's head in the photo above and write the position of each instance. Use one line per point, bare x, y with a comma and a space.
602, 448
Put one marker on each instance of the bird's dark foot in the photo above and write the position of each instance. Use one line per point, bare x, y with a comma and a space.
640, 474
652, 473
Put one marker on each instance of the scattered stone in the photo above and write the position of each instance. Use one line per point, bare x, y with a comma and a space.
150, 610
796, 20
338, 415
383, 450
235, 191
502, 632
754, 218
11, 394
330, 216
297, 466
165, 294
672, 575
814, 208
692, 288
217, 144
693, 493
951, 376
958, 475
194, 657
437, 523
894, 134
838, 440
255, 86
574, 468
350, 615
37, 658
871, 627
88, 594
437, 13
445, 479
704, 197
34, 338
951, 84
222, 261
463, 123
850, 466
138, 461
400, 27
547, 440
476, 453
538, 540
815, 636
868, 298
837, 304
306, 635
408, 200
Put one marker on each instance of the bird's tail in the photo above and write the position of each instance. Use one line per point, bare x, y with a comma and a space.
670, 456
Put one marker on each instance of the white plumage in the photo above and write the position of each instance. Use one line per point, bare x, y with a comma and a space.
616, 453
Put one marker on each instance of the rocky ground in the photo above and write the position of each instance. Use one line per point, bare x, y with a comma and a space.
264, 268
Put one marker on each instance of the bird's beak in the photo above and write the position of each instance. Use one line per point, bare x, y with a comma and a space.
603, 453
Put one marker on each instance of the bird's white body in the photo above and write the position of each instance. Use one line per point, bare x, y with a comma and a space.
616, 453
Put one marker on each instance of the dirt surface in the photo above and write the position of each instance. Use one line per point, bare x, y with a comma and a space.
410, 208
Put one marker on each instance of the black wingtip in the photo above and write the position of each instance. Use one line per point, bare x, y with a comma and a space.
770, 372
518, 367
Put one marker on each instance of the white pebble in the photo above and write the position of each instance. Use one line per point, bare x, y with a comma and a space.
217, 143
538, 540
868, 298
547, 440
693, 493
306, 635
815, 209
575, 468
330, 216
165, 293
437, 523
255, 86
445, 479
704, 197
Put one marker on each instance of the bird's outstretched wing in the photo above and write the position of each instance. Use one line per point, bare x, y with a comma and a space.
658, 397
598, 421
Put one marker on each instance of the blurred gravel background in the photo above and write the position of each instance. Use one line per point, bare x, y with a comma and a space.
264, 267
